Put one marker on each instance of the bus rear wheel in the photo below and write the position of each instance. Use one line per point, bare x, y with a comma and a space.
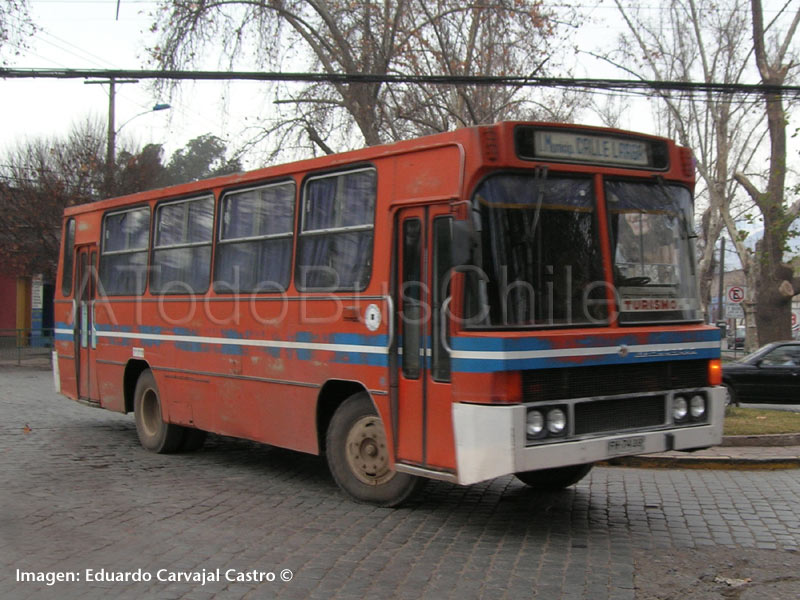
154, 434
358, 456
554, 479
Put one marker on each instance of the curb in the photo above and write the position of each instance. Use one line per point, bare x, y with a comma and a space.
769, 440
656, 461
699, 461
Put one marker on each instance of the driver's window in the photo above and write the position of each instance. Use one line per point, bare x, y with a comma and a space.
780, 357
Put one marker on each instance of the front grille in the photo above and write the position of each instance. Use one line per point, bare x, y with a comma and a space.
545, 385
619, 414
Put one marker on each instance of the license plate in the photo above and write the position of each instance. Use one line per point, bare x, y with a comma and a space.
628, 445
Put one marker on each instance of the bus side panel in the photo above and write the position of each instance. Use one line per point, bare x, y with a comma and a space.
430, 173
109, 379
276, 414
440, 449
66, 367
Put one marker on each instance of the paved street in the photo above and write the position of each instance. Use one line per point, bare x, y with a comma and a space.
80, 498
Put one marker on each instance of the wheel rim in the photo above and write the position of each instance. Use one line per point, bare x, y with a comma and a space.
366, 451
151, 413
728, 396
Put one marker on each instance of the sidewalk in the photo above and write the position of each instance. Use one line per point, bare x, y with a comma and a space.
736, 452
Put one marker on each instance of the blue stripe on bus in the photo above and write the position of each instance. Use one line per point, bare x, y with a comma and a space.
487, 365
494, 352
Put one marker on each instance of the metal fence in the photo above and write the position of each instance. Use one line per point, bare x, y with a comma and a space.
18, 345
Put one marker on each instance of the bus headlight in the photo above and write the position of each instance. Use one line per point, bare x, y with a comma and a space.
680, 408
556, 421
534, 424
697, 406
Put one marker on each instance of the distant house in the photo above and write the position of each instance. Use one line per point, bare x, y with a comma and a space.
26, 300
15, 302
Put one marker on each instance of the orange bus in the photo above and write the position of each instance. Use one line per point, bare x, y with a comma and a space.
515, 298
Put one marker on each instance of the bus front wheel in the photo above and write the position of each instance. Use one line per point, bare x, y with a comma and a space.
358, 456
554, 479
154, 434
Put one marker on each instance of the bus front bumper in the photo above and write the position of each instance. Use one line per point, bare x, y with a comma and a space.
491, 441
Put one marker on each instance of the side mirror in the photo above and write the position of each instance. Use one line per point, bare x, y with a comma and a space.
465, 241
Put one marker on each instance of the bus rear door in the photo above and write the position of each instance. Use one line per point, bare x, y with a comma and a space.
85, 338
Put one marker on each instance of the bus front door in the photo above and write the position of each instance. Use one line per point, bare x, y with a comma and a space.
423, 432
85, 338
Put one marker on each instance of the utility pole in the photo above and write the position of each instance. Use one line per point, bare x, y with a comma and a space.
720, 313
111, 141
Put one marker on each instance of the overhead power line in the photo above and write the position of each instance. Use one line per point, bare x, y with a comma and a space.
560, 82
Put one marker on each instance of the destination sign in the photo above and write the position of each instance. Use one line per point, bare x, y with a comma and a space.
573, 146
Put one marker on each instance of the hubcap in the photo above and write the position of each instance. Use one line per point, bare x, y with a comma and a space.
366, 451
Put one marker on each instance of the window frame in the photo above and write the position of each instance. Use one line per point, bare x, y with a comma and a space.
68, 261
302, 232
146, 249
154, 247
687, 252
597, 239
220, 241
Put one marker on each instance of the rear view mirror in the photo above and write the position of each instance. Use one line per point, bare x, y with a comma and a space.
465, 240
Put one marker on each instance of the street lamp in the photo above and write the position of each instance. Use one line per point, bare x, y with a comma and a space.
111, 157
112, 131
156, 107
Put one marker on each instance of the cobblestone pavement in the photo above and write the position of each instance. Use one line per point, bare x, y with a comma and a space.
78, 493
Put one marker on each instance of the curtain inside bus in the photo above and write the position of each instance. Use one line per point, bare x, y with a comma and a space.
539, 262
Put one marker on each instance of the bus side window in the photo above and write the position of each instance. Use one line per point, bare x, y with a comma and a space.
182, 246
123, 256
69, 258
334, 251
254, 251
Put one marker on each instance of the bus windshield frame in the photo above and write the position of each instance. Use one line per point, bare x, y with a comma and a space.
538, 261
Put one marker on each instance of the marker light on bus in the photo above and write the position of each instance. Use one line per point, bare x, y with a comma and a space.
687, 161
715, 372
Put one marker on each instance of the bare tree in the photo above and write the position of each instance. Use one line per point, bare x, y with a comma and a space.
774, 278
42, 177
701, 40
411, 37
16, 26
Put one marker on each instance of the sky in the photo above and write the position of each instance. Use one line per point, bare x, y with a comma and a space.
87, 34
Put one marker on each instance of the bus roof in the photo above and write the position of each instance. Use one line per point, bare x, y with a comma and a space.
461, 136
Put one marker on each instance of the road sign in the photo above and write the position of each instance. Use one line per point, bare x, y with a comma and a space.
735, 294
734, 311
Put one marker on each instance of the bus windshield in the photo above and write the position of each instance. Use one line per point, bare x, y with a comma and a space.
653, 251
539, 260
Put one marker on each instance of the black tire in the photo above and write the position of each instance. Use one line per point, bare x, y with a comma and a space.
193, 439
730, 395
554, 479
358, 456
154, 434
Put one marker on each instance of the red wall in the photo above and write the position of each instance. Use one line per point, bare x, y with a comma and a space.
8, 302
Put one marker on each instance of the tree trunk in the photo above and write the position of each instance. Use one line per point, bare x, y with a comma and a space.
774, 315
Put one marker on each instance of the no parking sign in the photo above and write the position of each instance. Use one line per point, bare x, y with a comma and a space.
736, 294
